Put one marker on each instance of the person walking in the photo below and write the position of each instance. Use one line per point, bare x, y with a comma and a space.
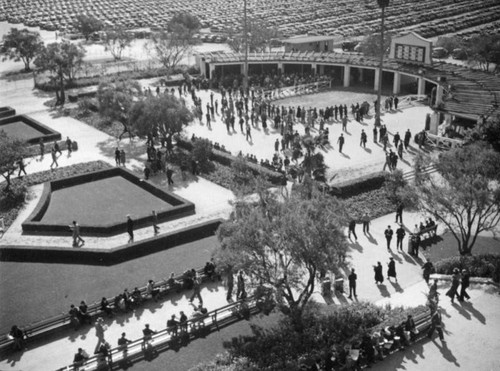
352, 283
22, 167
400, 235
54, 158
364, 139
375, 133
391, 270
196, 290
249, 133
387, 161
352, 229
464, 284
130, 229
100, 328
344, 123
340, 142
69, 146
388, 236
57, 149
366, 223
455, 282
436, 325
123, 157
169, 173
117, 157
240, 289
407, 139
75, 228
155, 222
379, 275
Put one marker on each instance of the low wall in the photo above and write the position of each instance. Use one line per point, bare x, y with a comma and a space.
89, 256
7, 112
47, 134
33, 224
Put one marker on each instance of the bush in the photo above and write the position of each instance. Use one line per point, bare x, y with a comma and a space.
485, 265
375, 203
202, 153
360, 185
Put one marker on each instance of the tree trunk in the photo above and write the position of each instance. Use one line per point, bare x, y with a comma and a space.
61, 86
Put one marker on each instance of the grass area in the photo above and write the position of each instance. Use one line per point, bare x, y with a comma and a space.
21, 130
35, 291
445, 246
101, 202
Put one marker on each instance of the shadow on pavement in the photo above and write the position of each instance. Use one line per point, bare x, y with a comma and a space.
383, 291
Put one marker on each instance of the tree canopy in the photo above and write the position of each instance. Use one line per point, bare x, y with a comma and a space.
63, 60
284, 245
22, 45
370, 45
467, 198
260, 35
190, 22
170, 47
164, 114
87, 25
116, 40
11, 150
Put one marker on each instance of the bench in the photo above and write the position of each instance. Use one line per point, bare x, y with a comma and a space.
49, 326
429, 232
165, 339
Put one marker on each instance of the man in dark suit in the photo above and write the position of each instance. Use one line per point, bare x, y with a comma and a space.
130, 229
400, 235
388, 236
352, 284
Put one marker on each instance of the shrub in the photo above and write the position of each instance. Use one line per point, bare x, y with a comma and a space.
360, 185
202, 152
375, 203
484, 265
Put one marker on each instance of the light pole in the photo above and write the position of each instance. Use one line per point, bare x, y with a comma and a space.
382, 4
245, 30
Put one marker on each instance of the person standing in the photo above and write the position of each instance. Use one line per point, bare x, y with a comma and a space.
117, 156
352, 229
396, 139
400, 235
57, 148
155, 222
455, 282
363, 139
366, 223
229, 284
399, 213
75, 228
464, 284
375, 133
130, 229
169, 173
196, 290
379, 275
407, 139
340, 142
344, 123
147, 336
249, 132
436, 325
123, 158
427, 270
388, 236
69, 146
396, 101
352, 283
240, 289
391, 270
54, 158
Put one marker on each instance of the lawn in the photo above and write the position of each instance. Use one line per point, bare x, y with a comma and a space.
21, 130
35, 291
446, 246
101, 202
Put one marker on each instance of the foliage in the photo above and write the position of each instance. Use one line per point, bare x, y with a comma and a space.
484, 50
21, 45
467, 198
170, 47
314, 162
284, 244
164, 114
365, 183
326, 332
202, 152
450, 43
374, 203
63, 60
116, 40
484, 265
397, 190
487, 130
260, 34
87, 25
370, 46
11, 150
116, 101
190, 22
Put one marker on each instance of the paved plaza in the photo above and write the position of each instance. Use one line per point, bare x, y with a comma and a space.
470, 328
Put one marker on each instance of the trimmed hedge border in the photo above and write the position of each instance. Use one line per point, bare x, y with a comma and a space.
483, 265
227, 159
48, 134
120, 254
32, 225
7, 112
363, 184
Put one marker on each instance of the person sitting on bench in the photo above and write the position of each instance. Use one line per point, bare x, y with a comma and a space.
80, 358
209, 270
105, 307
151, 290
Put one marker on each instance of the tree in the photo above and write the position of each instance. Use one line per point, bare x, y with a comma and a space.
63, 60
260, 36
116, 40
314, 162
284, 245
116, 100
450, 43
382, 5
467, 198
170, 47
21, 45
484, 50
11, 150
190, 22
487, 130
164, 114
87, 25
370, 45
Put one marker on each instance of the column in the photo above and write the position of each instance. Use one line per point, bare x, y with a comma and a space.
361, 74
280, 67
347, 76
314, 68
376, 79
321, 69
439, 95
211, 70
396, 85
421, 86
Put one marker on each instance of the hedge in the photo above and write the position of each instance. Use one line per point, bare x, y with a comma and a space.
484, 265
363, 184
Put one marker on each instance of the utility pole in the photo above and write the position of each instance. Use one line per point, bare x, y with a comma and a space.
245, 72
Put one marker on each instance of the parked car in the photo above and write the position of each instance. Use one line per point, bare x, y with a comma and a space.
439, 52
459, 54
